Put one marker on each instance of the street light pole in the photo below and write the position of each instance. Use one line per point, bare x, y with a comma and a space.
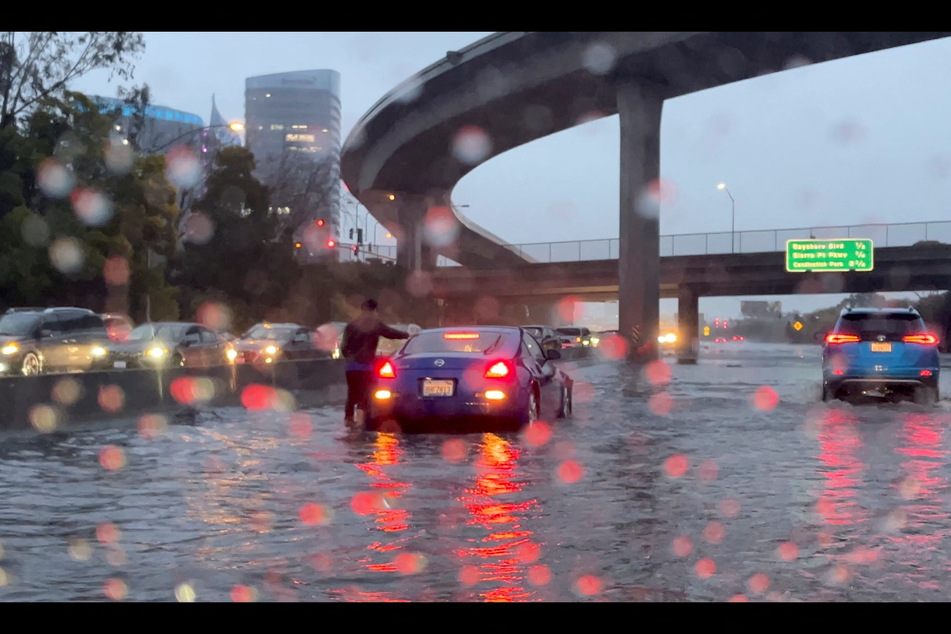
732, 217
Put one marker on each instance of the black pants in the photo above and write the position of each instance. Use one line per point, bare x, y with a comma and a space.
358, 391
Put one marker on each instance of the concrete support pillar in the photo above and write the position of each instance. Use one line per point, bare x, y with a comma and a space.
688, 325
639, 112
412, 252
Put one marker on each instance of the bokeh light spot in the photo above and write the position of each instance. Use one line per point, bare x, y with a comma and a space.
453, 450
440, 227
115, 589
528, 553
658, 372
714, 532
787, 551
765, 398
676, 466
111, 398
409, 563
705, 568
111, 458
54, 179
729, 507
758, 583
588, 585
91, 207
708, 470
152, 425
66, 254
116, 271
119, 156
468, 575
739, 598
198, 228
471, 145
108, 533
300, 425
183, 169
243, 594
682, 546
79, 550
365, 502
537, 434
570, 308
599, 58
315, 514
661, 403
185, 592
612, 347
258, 397
215, 316
570, 471
43, 418
539, 575
66, 391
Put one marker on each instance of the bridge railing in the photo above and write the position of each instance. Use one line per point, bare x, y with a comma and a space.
759, 241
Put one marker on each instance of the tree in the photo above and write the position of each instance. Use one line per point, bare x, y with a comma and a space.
36, 65
304, 185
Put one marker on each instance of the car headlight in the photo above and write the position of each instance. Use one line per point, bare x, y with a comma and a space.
156, 352
98, 351
10, 348
232, 354
271, 349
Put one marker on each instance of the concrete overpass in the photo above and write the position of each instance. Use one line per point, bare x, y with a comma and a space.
401, 162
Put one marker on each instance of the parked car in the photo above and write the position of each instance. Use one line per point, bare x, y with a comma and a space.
547, 336
165, 344
387, 347
884, 353
118, 325
574, 336
450, 380
267, 343
46, 340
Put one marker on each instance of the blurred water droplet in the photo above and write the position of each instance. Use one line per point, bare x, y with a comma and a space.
119, 156
53, 179
440, 227
91, 207
198, 228
67, 255
183, 169
35, 231
471, 145
600, 58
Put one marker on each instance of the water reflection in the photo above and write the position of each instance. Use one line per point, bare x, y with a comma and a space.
839, 445
500, 565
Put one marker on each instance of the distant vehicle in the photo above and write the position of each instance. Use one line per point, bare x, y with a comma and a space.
268, 343
574, 337
118, 325
547, 336
884, 353
46, 340
166, 344
470, 379
667, 342
387, 347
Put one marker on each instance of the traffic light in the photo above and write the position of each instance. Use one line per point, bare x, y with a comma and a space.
359, 236
297, 245
320, 222
356, 248
331, 243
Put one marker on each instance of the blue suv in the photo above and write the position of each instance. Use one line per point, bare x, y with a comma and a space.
882, 353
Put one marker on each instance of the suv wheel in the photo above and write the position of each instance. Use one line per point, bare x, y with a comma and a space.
828, 394
31, 364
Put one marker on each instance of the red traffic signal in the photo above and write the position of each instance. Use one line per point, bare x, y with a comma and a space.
320, 222
331, 244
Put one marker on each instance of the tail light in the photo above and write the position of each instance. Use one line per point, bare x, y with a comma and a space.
386, 371
498, 370
840, 338
927, 339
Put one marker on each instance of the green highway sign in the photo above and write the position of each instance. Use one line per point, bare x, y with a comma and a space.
844, 254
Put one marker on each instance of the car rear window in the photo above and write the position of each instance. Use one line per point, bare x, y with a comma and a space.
477, 342
869, 325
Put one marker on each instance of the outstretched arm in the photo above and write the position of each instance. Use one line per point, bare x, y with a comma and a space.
392, 333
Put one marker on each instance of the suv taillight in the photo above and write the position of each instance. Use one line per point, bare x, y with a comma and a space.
926, 339
840, 338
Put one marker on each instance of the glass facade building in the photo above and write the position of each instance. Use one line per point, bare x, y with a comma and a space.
292, 127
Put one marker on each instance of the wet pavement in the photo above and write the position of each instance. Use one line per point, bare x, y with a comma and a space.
725, 480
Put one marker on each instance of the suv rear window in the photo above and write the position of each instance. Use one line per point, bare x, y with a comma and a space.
891, 325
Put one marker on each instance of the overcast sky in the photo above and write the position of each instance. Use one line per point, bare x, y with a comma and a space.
860, 140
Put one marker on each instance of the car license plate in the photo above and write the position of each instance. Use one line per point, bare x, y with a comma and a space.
881, 347
118, 364
434, 387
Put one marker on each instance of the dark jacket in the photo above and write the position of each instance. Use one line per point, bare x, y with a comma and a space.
361, 336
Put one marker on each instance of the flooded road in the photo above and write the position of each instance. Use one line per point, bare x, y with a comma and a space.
726, 480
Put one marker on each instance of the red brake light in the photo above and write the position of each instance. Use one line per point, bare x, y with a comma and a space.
839, 338
497, 370
926, 339
460, 335
386, 371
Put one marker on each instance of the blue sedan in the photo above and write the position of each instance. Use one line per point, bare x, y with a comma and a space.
472, 379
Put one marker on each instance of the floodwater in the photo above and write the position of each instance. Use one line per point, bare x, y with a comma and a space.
725, 480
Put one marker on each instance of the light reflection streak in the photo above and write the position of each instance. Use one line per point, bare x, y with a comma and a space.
501, 557
839, 443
